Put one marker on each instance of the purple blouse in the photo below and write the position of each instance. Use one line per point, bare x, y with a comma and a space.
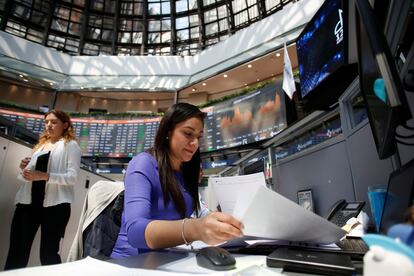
143, 203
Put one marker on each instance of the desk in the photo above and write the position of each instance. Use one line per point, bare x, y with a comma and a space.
152, 264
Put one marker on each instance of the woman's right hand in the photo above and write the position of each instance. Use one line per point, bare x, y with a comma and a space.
24, 162
216, 228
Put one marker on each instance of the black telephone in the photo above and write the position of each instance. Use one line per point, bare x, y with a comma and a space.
342, 210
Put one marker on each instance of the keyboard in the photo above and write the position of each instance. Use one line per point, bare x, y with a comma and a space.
353, 245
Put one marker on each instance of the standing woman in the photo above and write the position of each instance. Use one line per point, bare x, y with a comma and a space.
161, 191
48, 178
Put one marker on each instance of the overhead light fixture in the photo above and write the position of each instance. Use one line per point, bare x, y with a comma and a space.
104, 88
21, 76
225, 75
81, 87
26, 80
278, 54
249, 66
194, 89
204, 84
51, 83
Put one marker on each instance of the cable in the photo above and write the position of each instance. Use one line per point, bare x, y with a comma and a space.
407, 126
404, 143
404, 136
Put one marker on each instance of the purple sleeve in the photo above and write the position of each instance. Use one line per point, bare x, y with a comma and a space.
139, 180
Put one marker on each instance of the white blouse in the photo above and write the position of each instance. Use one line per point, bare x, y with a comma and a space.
63, 169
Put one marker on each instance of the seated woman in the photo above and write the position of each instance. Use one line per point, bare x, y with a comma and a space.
161, 191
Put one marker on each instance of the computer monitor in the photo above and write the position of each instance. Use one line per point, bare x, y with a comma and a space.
321, 46
326, 55
400, 196
379, 80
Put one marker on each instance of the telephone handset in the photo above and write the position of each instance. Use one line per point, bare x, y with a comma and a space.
342, 210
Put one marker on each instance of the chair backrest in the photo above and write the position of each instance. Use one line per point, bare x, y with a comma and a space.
101, 234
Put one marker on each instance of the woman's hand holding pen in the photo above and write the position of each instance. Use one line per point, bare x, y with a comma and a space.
34, 175
216, 228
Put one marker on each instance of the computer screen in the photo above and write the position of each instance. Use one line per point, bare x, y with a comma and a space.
400, 196
380, 83
249, 118
321, 46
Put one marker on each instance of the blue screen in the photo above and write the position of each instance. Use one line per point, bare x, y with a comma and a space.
320, 46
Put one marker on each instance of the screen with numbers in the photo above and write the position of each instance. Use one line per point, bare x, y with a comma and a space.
99, 137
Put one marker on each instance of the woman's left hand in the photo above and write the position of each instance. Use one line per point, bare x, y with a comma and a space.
34, 175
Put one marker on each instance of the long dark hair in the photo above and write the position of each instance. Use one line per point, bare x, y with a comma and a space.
174, 115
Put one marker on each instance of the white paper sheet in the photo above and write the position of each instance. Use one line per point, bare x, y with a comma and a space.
268, 215
273, 216
234, 193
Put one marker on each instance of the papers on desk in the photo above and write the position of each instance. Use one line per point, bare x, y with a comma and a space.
267, 214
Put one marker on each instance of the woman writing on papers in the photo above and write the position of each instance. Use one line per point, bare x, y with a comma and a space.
161, 191
44, 198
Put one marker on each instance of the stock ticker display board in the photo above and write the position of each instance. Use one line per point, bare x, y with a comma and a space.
246, 119
239, 121
99, 137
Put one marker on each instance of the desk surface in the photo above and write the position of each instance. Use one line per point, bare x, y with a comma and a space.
152, 263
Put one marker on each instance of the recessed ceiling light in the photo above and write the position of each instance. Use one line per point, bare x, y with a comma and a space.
21, 76
204, 84
278, 54
194, 89
250, 66
51, 83
26, 80
225, 75
81, 87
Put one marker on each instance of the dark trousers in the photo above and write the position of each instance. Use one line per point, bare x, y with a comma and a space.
26, 221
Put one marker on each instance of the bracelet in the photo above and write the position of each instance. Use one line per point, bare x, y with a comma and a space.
183, 236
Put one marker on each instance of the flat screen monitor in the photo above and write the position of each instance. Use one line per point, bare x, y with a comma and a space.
380, 83
246, 119
400, 196
321, 46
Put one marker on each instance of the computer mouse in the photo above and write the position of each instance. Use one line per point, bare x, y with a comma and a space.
215, 258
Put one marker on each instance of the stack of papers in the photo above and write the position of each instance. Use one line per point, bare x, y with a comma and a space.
268, 215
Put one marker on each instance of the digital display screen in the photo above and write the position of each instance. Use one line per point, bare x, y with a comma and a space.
108, 138
321, 46
245, 119
352, 206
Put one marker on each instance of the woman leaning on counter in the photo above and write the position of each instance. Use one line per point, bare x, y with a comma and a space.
48, 178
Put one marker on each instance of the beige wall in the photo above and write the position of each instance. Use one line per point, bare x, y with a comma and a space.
74, 102
198, 98
26, 96
122, 106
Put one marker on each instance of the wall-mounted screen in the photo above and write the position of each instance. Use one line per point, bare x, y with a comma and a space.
321, 47
99, 137
245, 119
